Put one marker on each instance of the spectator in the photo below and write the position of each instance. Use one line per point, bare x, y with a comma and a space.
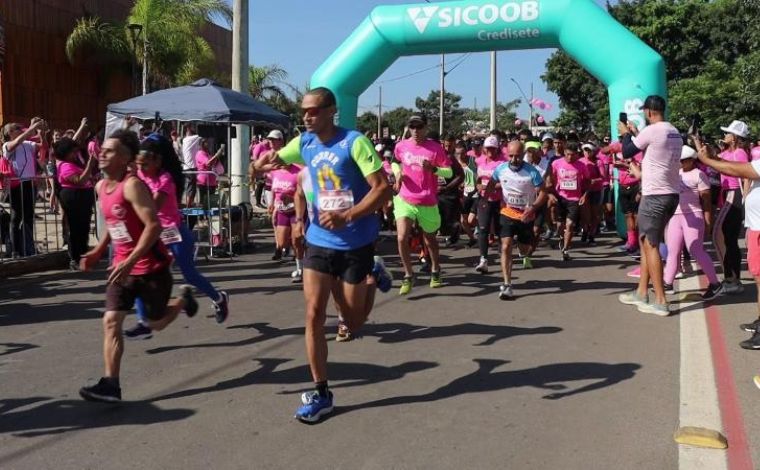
207, 181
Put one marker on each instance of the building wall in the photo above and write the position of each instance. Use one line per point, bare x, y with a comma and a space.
37, 79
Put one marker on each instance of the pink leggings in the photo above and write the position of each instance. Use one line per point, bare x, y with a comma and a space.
688, 229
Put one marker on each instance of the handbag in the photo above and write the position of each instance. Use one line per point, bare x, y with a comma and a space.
6, 172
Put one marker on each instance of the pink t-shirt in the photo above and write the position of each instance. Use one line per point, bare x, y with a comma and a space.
259, 149
607, 162
284, 183
661, 144
570, 179
755, 153
201, 162
93, 148
596, 171
66, 170
472, 154
389, 172
168, 213
486, 167
692, 183
420, 187
627, 179
738, 155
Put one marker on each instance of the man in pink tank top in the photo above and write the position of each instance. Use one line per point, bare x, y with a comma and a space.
140, 266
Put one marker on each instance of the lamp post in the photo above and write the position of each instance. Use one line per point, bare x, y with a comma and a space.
134, 33
530, 104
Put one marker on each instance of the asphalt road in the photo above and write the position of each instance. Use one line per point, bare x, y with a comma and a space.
562, 377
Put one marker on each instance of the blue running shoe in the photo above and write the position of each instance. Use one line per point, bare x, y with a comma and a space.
382, 276
314, 407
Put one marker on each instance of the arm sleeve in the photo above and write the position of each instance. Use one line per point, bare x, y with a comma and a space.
445, 172
395, 168
630, 147
291, 153
365, 156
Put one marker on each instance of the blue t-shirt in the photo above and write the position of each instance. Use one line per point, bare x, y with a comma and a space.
338, 171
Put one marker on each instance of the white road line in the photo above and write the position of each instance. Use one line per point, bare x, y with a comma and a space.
699, 394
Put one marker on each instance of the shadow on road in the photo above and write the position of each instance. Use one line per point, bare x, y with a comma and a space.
13, 348
25, 314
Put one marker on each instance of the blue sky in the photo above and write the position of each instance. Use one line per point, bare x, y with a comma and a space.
300, 38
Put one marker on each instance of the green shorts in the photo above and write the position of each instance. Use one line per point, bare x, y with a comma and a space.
427, 217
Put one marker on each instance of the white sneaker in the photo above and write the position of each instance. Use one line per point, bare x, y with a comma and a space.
296, 276
482, 267
505, 292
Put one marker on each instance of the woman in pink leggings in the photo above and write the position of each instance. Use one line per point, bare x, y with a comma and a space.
687, 226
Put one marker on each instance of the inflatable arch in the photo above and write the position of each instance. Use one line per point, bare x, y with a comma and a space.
629, 68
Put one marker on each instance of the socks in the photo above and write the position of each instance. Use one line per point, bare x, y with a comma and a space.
321, 388
299, 265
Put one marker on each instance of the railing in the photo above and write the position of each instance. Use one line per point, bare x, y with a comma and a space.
211, 220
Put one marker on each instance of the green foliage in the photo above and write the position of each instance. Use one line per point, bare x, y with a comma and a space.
708, 46
367, 122
452, 114
395, 119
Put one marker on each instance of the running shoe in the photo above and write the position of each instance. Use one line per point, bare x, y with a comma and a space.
343, 334
591, 241
277, 255
471, 242
623, 248
435, 280
527, 262
584, 237
669, 289
661, 310
102, 391
315, 407
191, 305
505, 292
482, 267
750, 327
752, 343
222, 308
425, 268
633, 298
679, 275
406, 285
732, 287
565, 255
546, 235
73, 266
139, 331
296, 277
635, 272
713, 291
382, 276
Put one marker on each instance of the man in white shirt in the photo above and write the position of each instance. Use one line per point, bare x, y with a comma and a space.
191, 143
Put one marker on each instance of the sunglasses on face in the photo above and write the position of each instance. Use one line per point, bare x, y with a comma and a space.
417, 127
515, 155
314, 110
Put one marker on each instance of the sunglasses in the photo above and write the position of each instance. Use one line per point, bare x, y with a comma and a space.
417, 127
314, 109
513, 155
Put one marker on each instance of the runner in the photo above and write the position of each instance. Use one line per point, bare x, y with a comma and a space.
522, 197
629, 188
469, 195
159, 168
449, 195
488, 204
591, 212
349, 189
571, 183
140, 265
421, 161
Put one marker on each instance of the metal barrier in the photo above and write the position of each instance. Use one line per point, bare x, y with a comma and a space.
27, 227
211, 221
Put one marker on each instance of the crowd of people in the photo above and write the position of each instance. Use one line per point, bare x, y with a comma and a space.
329, 191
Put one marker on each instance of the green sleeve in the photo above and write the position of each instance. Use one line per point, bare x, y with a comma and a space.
396, 168
363, 153
444, 172
291, 153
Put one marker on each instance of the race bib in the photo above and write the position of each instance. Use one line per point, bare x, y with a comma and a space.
170, 235
119, 233
335, 200
282, 206
570, 185
517, 200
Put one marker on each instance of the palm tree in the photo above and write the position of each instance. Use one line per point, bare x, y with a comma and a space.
264, 83
176, 52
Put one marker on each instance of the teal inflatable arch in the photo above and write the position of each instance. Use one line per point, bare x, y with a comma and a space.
629, 68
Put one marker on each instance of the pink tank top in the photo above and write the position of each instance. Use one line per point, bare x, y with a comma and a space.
125, 229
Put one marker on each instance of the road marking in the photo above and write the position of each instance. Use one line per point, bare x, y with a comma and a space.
699, 404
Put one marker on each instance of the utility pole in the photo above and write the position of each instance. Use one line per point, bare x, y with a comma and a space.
238, 166
493, 89
443, 92
380, 115
530, 126
145, 63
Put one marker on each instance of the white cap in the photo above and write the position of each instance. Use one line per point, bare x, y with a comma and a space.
589, 146
491, 141
547, 136
379, 148
737, 128
688, 152
275, 134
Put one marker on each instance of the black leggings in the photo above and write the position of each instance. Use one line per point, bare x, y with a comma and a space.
22, 201
730, 220
488, 214
77, 205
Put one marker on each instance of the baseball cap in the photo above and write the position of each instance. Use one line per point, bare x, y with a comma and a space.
416, 119
547, 136
275, 134
688, 152
491, 141
387, 154
532, 144
654, 103
588, 146
738, 128
379, 148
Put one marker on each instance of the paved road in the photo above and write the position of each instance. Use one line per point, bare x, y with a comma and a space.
562, 377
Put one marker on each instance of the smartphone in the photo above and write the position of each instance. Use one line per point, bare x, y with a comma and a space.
624, 118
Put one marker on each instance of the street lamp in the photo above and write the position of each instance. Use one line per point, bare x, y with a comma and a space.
530, 101
134, 33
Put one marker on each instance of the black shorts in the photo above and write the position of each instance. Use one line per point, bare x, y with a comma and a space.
471, 205
515, 228
628, 202
351, 266
450, 209
608, 195
595, 197
654, 214
153, 288
191, 183
568, 210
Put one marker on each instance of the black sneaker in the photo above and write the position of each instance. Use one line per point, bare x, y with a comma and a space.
73, 266
752, 343
139, 331
277, 256
584, 237
102, 391
471, 242
713, 291
669, 289
222, 308
191, 305
750, 327
565, 255
591, 241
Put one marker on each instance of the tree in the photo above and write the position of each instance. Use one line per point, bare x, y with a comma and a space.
395, 120
367, 122
452, 115
171, 29
263, 82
